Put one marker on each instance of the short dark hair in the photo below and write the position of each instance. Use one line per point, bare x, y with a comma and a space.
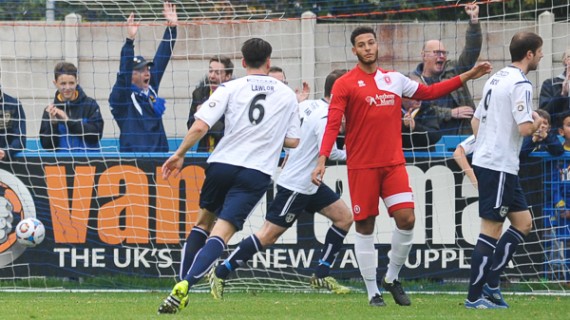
276, 69
360, 30
544, 115
523, 42
255, 52
65, 68
561, 119
227, 62
331, 78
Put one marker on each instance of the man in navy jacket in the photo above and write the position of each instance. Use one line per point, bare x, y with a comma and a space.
73, 121
12, 126
134, 100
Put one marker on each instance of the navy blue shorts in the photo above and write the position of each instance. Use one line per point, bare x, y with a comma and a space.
288, 205
499, 194
232, 192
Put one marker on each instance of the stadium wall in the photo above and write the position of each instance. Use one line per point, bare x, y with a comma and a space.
305, 49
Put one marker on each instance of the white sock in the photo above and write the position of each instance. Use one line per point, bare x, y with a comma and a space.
401, 246
367, 262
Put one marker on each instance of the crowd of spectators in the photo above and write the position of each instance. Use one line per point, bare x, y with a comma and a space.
73, 121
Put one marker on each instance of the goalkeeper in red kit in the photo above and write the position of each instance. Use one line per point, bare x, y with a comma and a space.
371, 99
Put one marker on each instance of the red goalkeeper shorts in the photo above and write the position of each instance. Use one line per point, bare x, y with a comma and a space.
367, 186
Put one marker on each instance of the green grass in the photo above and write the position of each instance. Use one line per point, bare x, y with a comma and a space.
101, 305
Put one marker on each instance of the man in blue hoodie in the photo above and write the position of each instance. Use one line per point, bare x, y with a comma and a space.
134, 100
73, 121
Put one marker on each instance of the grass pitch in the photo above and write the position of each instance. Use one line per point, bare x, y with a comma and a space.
305, 306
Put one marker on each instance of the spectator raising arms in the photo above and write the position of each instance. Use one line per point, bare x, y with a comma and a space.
455, 109
134, 100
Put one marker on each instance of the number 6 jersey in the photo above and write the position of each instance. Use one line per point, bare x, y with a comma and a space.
260, 112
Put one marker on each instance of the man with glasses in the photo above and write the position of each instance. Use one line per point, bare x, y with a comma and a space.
454, 110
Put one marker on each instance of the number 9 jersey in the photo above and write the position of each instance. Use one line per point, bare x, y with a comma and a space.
506, 103
260, 112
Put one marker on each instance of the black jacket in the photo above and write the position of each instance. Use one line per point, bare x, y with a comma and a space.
82, 131
216, 132
12, 126
552, 101
461, 96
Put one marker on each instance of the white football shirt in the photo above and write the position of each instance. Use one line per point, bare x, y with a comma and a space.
260, 112
296, 175
506, 103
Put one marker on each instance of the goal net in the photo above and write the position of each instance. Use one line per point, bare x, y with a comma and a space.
113, 222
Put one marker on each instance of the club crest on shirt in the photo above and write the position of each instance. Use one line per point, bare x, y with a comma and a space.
290, 217
520, 105
361, 83
387, 79
356, 209
212, 104
503, 211
380, 100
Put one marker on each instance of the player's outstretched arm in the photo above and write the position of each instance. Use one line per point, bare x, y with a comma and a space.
461, 159
319, 172
479, 70
174, 164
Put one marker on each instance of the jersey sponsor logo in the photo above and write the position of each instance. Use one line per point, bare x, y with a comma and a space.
361, 83
381, 100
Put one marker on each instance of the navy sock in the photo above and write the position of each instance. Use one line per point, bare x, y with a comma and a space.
333, 242
480, 263
205, 258
195, 241
245, 251
506, 247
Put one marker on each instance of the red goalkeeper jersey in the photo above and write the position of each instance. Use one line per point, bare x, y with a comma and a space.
372, 105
